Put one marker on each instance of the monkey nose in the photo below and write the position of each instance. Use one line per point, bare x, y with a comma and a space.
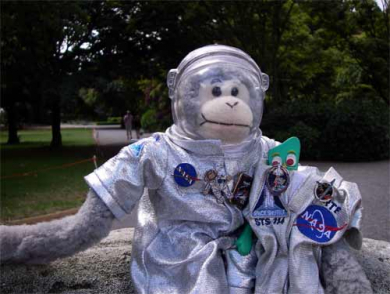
231, 106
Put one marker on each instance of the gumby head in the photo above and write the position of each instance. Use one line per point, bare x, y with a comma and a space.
286, 154
217, 92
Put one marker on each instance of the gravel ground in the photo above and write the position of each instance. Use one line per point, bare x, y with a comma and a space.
104, 268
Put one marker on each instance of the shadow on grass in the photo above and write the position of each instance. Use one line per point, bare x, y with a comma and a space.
37, 179
40, 180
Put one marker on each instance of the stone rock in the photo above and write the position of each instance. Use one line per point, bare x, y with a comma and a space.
105, 268
375, 259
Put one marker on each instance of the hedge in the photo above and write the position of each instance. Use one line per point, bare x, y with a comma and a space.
347, 131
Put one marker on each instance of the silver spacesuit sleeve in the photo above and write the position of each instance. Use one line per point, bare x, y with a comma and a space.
120, 182
268, 144
351, 200
353, 234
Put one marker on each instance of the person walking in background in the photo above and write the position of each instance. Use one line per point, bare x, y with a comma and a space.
137, 126
128, 120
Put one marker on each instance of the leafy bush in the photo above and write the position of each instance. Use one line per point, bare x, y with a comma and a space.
149, 120
114, 119
154, 121
358, 132
349, 131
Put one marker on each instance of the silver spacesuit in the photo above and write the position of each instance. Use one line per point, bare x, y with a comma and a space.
185, 220
182, 232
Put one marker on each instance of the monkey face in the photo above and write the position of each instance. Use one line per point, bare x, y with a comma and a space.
217, 92
224, 113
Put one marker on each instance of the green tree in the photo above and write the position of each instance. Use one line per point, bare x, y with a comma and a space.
41, 46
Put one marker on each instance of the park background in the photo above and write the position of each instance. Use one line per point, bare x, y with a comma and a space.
82, 64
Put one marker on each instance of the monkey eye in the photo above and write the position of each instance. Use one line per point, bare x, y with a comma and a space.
234, 92
216, 91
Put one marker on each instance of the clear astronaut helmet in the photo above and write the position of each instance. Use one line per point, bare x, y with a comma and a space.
217, 93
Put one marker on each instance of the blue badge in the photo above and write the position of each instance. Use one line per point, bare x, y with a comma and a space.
269, 205
185, 175
136, 148
317, 223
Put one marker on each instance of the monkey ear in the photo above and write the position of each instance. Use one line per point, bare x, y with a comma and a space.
264, 82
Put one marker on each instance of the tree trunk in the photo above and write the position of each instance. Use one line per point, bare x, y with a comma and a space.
56, 140
12, 125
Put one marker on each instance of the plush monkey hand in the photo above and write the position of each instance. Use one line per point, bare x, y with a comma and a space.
45, 242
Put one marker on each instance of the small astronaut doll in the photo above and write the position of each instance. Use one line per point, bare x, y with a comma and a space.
194, 177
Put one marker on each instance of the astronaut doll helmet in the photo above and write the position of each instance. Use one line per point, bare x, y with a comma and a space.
217, 92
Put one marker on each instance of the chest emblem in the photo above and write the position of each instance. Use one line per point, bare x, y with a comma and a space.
318, 224
324, 191
217, 185
269, 205
185, 175
241, 191
277, 179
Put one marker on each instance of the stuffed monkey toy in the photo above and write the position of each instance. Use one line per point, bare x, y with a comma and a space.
188, 220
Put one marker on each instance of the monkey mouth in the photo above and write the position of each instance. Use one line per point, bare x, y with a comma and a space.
221, 123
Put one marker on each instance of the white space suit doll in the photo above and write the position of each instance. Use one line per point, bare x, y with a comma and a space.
186, 220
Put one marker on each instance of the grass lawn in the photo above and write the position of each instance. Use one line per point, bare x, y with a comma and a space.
49, 190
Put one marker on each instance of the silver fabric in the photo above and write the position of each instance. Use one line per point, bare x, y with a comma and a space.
182, 233
288, 260
240, 271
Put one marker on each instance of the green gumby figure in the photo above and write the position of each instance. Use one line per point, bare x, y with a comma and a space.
244, 241
286, 154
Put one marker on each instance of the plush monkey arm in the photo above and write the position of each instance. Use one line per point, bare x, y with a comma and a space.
341, 271
45, 242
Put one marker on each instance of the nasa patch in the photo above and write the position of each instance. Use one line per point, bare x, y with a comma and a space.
318, 224
185, 175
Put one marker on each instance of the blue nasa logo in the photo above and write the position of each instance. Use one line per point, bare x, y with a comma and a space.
185, 175
317, 223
